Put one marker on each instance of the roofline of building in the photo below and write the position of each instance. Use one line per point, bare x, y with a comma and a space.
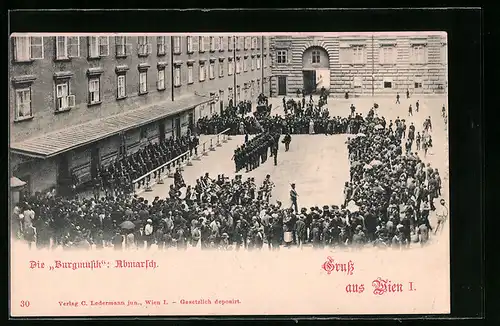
145, 122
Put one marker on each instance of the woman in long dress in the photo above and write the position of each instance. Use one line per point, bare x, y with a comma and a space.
311, 127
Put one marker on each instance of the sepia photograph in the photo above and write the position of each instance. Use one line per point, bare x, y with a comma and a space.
229, 173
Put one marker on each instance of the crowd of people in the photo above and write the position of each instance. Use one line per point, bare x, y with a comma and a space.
388, 198
255, 151
116, 177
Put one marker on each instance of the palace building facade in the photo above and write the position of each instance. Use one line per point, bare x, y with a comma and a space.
80, 101
363, 64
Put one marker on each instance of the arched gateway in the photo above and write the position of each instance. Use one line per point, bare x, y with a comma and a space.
315, 69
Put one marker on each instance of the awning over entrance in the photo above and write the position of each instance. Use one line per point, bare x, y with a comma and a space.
63, 140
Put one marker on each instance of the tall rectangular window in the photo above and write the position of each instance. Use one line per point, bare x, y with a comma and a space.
212, 44
265, 61
177, 45
418, 54
230, 67
122, 46
238, 66
221, 43
64, 100
189, 43
121, 86
281, 56
161, 48
258, 63
22, 50
239, 44
190, 74
221, 69
143, 82
253, 63
61, 47
201, 42
161, 79
23, 104
387, 54
230, 44
245, 64
211, 70
202, 72
94, 91
177, 76
358, 56
143, 46
98, 46
315, 56
28, 48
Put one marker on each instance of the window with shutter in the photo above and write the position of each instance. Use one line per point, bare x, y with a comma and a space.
61, 47
62, 96
22, 48
121, 89
23, 104
93, 46
94, 91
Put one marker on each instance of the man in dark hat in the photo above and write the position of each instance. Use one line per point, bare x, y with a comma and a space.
287, 140
293, 198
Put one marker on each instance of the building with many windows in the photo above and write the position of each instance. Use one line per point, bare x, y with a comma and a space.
362, 64
80, 101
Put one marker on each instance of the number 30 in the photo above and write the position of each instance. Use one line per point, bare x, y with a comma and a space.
25, 304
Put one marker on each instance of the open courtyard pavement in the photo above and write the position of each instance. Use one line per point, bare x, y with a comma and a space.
318, 164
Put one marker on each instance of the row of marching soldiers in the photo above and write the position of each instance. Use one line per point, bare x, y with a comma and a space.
255, 151
117, 177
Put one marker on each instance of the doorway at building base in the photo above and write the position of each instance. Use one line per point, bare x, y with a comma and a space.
315, 80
